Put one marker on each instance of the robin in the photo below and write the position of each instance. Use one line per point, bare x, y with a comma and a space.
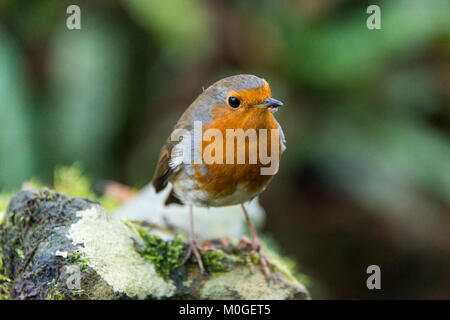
241, 102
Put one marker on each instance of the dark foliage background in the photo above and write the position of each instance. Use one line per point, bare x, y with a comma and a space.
366, 177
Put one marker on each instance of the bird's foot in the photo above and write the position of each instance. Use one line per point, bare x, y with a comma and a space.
194, 249
255, 246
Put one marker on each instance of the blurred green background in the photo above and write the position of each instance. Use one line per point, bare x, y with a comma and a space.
366, 176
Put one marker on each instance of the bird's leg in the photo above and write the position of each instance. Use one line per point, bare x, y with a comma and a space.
193, 248
256, 245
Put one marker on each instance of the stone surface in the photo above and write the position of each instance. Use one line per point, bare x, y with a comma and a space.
57, 247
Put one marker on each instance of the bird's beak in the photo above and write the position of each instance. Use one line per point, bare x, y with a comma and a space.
269, 103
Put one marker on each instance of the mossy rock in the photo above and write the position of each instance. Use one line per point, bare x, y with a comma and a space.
58, 247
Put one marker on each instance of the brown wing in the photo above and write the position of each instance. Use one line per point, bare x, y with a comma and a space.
166, 166
163, 171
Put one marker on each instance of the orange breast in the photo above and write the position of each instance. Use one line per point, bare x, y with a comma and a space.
221, 180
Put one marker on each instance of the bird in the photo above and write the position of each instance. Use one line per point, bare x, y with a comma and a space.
236, 102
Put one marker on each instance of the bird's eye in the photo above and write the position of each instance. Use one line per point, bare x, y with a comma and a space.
234, 102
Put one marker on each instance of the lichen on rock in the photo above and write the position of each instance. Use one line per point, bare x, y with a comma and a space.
109, 246
244, 282
233, 272
45, 234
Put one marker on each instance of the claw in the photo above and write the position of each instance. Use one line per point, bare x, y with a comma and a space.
256, 246
193, 248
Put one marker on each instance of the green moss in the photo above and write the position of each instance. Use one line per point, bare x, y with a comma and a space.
4, 288
55, 294
52, 291
20, 253
215, 261
111, 248
76, 257
5, 282
80, 293
219, 261
166, 256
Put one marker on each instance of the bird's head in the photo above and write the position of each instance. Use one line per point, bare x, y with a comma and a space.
236, 95
242, 92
